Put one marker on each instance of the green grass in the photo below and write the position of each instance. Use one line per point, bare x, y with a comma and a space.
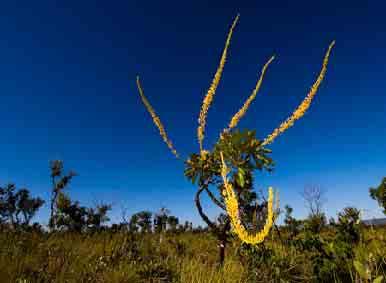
187, 257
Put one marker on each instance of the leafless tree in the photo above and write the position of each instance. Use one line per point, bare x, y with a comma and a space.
314, 199
124, 215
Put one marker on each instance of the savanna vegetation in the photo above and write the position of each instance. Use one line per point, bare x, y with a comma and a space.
155, 247
244, 243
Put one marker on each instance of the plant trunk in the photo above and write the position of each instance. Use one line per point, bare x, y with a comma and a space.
222, 236
53, 200
52, 220
222, 246
221, 233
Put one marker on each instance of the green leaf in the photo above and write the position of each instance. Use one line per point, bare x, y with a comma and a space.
240, 175
194, 177
378, 279
360, 269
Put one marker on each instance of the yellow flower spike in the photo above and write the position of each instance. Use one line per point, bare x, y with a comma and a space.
236, 118
212, 89
156, 119
232, 207
303, 107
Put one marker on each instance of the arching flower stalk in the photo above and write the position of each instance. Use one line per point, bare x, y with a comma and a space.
212, 89
232, 207
303, 107
156, 119
237, 117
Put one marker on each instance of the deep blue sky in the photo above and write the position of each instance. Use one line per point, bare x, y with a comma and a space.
67, 82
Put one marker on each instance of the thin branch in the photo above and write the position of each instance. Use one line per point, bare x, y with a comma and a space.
201, 212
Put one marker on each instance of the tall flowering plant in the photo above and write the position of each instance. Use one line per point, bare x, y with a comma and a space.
235, 155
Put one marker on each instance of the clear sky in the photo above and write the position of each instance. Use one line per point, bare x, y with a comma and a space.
67, 82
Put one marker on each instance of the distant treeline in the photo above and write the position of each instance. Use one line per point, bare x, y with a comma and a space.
18, 207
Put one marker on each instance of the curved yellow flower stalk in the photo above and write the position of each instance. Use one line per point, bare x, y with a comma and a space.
232, 207
303, 107
236, 118
156, 119
212, 89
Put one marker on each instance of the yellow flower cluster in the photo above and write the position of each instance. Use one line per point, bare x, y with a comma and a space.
236, 118
212, 89
232, 207
156, 119
204, 154
303, 107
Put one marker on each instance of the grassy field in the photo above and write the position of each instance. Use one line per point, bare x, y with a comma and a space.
189, 257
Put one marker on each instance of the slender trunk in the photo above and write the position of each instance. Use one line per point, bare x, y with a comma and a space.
222, 247
53, 199
27, 218
221, 233
13, 225
18, 221
222, 237
52, 218
278, 233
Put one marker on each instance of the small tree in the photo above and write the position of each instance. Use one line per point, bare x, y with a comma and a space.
97, 216
187, 227
244, 157
70, 215
133, 223
144, 221
161, 220
314, 198
173, 223
17, 207
348, 225
59, 182
292, 224
210, 168
379, 194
